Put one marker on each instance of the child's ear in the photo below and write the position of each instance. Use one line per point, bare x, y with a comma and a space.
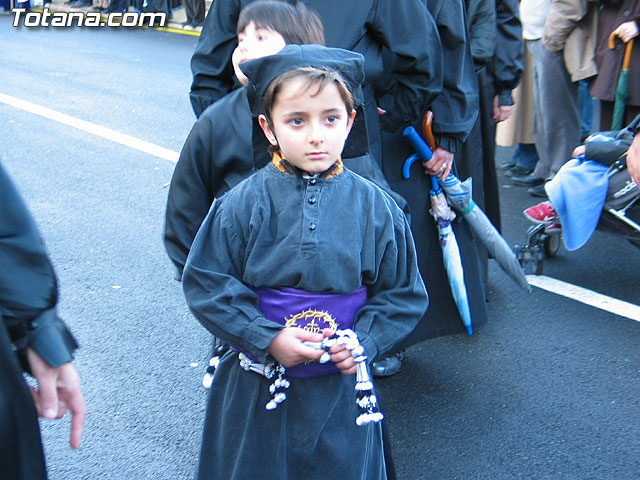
264, 124
352, 116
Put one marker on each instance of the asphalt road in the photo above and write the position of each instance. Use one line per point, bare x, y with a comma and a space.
548, 389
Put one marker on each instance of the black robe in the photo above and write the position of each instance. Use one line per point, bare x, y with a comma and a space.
28, 296
455, 111
364, 26
281, 230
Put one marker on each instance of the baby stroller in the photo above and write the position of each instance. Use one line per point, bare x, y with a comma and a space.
609, 190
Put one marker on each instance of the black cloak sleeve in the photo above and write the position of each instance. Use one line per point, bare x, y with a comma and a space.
213, 75
509, 55
28, 286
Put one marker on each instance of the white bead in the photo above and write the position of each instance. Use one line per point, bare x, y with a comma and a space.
207, 380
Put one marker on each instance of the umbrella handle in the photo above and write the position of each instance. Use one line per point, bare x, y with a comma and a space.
427, 121
627, 50
422, 149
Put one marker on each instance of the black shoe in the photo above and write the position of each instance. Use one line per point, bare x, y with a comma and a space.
530, 180
387, 366
518, 171
506, 165
538, 191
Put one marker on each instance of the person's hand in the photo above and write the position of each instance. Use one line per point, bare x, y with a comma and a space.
440, 163
633, 160
579, 150
288, 349
341, 356
501, 112
58, 390
627, 31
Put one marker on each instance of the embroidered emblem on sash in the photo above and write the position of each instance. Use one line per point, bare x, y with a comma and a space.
312, 320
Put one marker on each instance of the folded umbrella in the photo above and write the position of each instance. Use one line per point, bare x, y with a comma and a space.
622, 88
459, 195
443, 215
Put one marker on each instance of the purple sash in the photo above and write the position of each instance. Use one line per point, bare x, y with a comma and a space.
293, 307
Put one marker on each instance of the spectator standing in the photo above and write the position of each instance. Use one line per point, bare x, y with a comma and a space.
622, 17
560, 36
518, 129
195, 10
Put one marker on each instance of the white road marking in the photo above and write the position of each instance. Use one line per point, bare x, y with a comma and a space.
92, 128
589, 297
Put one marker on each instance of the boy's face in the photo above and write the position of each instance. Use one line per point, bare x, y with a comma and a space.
255, 43
310, 127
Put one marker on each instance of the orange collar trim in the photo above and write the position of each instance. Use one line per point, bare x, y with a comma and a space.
277, 160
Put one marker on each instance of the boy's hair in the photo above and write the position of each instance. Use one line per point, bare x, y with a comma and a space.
295, 22
313, 77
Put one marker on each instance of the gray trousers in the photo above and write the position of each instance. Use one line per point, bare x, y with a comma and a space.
556, 118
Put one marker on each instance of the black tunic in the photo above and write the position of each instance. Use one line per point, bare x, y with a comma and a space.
267, 233
28, 296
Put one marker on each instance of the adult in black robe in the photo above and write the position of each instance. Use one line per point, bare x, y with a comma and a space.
28, 320
455, 111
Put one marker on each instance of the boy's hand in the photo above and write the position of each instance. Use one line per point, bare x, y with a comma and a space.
341, 356
288, 349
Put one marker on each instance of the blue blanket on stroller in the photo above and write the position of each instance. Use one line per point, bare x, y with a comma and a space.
578, 192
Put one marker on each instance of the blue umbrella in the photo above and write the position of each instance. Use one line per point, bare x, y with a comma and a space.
443, 215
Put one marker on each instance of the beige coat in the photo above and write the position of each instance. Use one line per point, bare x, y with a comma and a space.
519, 127
570, 28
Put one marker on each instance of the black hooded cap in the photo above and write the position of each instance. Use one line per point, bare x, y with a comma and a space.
262, 71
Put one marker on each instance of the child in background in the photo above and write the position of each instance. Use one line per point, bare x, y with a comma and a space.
327, 250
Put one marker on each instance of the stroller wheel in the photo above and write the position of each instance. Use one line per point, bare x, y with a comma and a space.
551, 244
538, 268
